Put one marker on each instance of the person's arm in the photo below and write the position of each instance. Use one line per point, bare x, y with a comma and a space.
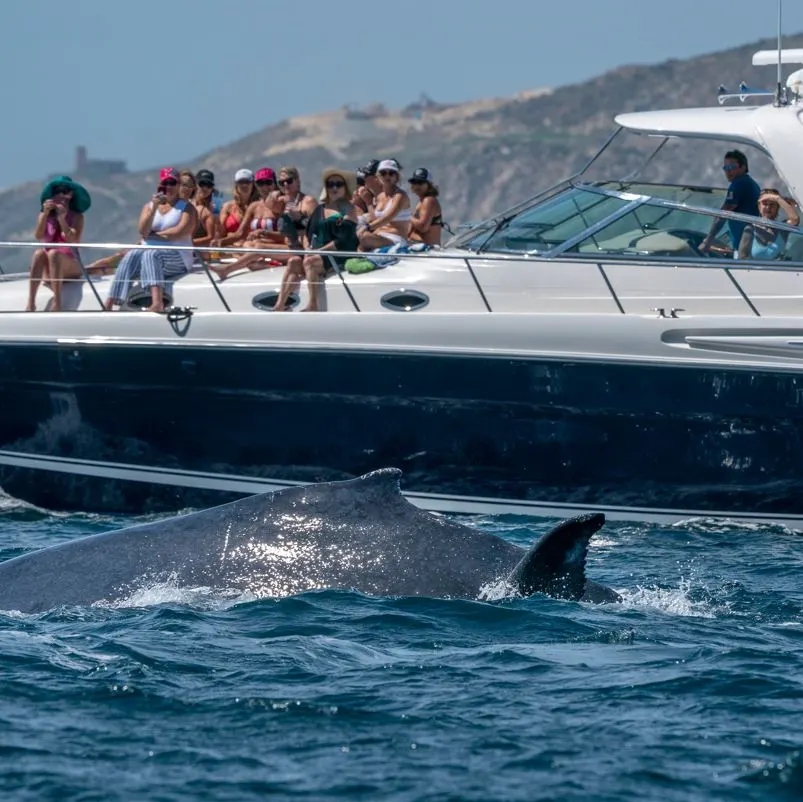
41, 222
746, 243
426, 212
791, 211
187, 223
146, 216
245, 223
209, 224
717, 225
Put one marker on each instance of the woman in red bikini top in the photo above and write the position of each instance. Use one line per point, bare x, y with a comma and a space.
233, 211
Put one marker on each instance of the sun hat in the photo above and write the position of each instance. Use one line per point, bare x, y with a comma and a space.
205, 175
347, 175
244, 174
80, 200
421, 174
265, 174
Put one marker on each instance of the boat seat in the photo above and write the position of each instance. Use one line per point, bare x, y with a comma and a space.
793, 252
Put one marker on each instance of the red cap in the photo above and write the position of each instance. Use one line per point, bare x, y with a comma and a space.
168, 172
265, 174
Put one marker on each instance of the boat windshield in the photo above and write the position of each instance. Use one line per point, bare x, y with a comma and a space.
656, 229
707, 197
548, 223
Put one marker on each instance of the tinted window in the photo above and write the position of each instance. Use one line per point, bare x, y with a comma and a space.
654, 230
551, 223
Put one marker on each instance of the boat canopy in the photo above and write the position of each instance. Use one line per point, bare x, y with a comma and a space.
775, 130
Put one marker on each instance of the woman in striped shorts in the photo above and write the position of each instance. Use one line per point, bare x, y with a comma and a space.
165, 218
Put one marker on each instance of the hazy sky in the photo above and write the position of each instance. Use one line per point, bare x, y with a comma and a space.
155, 82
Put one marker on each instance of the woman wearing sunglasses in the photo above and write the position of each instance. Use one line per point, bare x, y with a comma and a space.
332, 226
389, 224
231, 215
61, 220
427, 223
259, 228
165, 219
204, 201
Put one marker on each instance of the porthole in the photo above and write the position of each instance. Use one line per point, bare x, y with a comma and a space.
267, 300
404, 300
141, 299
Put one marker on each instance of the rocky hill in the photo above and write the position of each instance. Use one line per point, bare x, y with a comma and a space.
487, 154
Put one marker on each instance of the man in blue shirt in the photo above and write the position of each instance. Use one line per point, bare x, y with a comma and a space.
742, 197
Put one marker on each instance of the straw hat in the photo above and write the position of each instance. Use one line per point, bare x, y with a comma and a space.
347, 175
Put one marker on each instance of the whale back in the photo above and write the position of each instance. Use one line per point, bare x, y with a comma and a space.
357, 534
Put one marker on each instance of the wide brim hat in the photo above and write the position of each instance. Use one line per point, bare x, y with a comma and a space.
80, 201
347, 175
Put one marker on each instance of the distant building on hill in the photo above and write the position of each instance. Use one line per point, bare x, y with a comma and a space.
96, 168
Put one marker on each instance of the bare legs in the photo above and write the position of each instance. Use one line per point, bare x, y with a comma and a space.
48, 267
252, 261
38, 267
310, 267
291, 279
314, 270
370, 241
54, 266
157, 299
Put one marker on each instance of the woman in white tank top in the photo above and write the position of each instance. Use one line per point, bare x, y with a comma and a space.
166, 218
390, 222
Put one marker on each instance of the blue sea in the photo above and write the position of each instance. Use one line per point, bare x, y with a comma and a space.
691, 689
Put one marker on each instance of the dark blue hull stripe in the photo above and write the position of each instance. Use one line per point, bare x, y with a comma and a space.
435, 502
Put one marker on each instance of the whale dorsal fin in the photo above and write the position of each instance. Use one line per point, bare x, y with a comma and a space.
556, 563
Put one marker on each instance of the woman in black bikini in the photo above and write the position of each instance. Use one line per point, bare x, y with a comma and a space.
427, 223
331, 227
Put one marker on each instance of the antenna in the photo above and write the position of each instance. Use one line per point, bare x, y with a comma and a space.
780, 97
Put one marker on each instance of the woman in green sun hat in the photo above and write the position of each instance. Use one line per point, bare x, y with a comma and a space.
61, 220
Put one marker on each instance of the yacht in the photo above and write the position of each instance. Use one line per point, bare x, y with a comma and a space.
576, 352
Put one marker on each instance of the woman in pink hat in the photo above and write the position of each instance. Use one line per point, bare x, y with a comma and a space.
164, 219
259, 228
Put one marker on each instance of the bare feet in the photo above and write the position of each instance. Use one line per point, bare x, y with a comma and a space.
310, 308
30, 308
158, 308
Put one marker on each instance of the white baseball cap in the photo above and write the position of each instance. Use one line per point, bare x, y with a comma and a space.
243, 175
388, 164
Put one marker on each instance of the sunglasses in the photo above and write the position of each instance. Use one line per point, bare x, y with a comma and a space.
170, 182
335, 184
267, 182
246, 182
62, 190
285, 182
187, 185
206, 184
417, 182
387, 172
728, 167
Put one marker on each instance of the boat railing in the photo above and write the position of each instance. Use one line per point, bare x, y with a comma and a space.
470, 261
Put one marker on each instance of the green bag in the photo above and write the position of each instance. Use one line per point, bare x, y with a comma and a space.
357, 265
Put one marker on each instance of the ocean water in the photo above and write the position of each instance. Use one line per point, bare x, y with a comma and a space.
692, 688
